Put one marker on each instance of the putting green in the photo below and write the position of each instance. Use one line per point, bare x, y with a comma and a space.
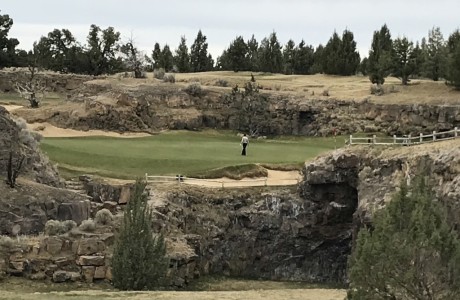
176, 152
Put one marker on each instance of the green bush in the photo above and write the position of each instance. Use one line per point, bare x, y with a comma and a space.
87, 226
139, 261
410, 253
104, 217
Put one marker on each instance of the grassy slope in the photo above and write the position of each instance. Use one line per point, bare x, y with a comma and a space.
187, 153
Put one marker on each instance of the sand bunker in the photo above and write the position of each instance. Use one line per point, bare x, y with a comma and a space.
48, 130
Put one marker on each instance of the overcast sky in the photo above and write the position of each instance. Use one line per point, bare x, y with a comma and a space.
164, 21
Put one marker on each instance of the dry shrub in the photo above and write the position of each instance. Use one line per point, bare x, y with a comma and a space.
194, 89
104, 217
6, 242
221, 82
326, 93
87, 226
54, 227
159, 73
69, 225
169, 78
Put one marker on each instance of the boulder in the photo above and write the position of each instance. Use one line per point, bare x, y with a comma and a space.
110, 205
37, 276
124, 195
108, 274
100, 272
88, 273
60, 276
90, 246
76, 211
53, 245
90, 260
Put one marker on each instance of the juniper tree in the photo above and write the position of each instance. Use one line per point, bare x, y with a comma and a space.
404, 62
410, 253
139, 261
435, 66
380, 56
182, 57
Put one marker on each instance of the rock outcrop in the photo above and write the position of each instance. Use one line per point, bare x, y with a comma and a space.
15, 137
157, 106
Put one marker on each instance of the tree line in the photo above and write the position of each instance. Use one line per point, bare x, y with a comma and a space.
104, 53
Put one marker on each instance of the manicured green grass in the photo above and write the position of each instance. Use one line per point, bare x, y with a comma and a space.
176, 152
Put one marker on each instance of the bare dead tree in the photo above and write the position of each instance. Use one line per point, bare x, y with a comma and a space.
134, 58
31, 89
13, 170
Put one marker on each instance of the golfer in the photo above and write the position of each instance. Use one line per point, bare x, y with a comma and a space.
244, 143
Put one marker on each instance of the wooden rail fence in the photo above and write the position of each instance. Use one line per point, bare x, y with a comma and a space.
406, 140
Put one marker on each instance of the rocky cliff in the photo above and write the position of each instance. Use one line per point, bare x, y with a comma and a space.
38, 195
15, 138
300, 233
155, 106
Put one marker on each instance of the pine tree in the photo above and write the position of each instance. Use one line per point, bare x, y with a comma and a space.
318, 60
410, 253
332, 55
435, 66
304, 58
237, 54
253, 54
182, 57
454, 68
199, 58
453, 46
139, 261
7, 45
348, 56
167, 62
380, 56
270, 56
289, 57
404, 59
156, 56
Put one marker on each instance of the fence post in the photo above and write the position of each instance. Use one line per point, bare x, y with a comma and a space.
409, 141
265, 182
351, 139
421, 137
374, 139
146, 177
394, 138
455, 132
222, 184
434, 135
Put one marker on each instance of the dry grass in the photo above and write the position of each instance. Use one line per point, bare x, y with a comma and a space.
229, 289
339, 87
304, 294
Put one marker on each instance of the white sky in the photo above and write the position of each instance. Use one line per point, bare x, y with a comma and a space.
165, 21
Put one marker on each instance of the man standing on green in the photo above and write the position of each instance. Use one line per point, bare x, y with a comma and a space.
244, 143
